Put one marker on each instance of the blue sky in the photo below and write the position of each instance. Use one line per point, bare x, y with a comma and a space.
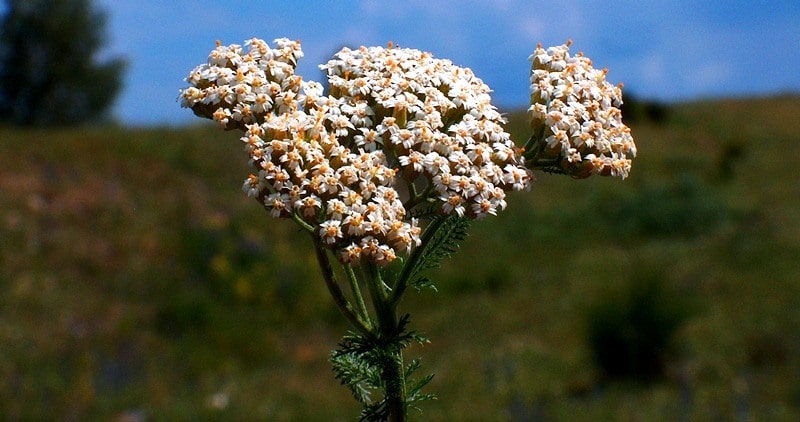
666, 50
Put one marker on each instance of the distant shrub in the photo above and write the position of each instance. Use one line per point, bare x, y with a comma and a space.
731, 152
630, 332
639, 110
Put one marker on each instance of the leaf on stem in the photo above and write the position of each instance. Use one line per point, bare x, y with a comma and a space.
443, 244
424, 283
361, 361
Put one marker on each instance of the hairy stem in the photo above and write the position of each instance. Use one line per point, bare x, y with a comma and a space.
392, 373
392, 365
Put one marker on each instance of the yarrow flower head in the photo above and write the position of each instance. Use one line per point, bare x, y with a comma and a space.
392, 160
399, 129
241, 85
575, 117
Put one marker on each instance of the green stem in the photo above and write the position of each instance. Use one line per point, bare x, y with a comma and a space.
392, 371
338, 296
379, 296
305, 226
532, 146
532, 141
359, 299
395, 385
418, 198
412, 191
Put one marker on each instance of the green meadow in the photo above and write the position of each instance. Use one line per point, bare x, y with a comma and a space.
138, 281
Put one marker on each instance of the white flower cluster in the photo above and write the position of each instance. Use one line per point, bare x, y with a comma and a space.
398, 129
435, 119
575, 114
238, 87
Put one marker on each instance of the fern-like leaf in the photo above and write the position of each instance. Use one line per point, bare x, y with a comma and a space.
355, 374
355, 365
423, 283
414, 391
444, 243
426, 212
359, 364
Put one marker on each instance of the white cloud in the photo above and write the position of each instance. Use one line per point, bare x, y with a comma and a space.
710, 76
653, 70
530, 27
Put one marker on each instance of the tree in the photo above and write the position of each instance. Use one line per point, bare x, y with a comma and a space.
49, 68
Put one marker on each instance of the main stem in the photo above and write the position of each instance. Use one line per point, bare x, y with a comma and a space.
392, 371
395, 385
382, 328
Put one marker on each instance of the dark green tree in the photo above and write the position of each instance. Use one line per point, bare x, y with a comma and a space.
50, 72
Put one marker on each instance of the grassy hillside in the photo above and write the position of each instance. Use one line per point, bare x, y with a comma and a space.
137, 280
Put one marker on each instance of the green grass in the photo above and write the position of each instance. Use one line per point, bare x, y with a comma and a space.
136, 277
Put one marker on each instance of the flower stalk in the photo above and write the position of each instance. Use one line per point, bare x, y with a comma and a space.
359, 300
356, 319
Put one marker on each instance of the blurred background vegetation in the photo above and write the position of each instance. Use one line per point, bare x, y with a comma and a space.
137, 282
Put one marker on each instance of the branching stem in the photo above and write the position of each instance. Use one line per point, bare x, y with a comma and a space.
364, 327
359, 299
